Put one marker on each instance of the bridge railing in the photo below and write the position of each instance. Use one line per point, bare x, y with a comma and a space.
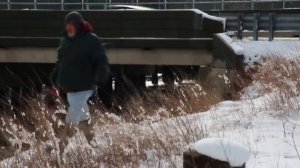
281, 21
206, 5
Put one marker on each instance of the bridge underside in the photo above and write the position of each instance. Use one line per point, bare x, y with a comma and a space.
116, 56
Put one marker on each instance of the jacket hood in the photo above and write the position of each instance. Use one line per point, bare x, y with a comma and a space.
86, 27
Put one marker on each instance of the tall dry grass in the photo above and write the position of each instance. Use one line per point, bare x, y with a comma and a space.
279, 76
132, 134
139, 131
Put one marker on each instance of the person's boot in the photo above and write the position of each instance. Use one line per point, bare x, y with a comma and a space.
64, 133
87, 128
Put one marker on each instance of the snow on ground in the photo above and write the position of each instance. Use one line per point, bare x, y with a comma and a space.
255, 52
268, 136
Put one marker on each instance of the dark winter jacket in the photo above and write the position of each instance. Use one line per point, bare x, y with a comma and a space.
82, 61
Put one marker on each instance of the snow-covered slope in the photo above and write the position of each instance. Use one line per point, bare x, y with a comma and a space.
268, 137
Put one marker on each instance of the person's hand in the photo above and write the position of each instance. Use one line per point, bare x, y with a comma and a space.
51, 96
53, 92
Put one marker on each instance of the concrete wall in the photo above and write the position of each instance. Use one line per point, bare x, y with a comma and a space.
224, 56
223, 74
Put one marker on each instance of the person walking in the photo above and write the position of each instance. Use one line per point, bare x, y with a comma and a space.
81, 65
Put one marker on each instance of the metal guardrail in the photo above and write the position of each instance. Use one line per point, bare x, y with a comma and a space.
256, 21
206, 5
239, 21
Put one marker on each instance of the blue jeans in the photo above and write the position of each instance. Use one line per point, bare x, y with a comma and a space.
78, 107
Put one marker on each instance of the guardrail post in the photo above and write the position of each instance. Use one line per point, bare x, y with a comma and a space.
240, 27
193, 4
34, 4
271, 26
222, 5
62, 4
283, 4
8, 4
255, 26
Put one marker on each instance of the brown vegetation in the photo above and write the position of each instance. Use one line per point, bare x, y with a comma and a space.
280, 76
128, 129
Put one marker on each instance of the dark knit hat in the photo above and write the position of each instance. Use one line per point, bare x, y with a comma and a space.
75, 18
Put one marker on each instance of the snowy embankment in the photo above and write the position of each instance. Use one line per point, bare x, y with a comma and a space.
273, 138
270, 138
273, 135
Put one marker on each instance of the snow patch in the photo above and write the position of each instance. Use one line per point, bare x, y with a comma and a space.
256, 52
224, 150
205, 15
229, 41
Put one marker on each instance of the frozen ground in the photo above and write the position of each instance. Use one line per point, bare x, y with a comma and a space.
268, 136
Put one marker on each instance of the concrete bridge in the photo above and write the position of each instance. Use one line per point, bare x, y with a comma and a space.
145, 39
